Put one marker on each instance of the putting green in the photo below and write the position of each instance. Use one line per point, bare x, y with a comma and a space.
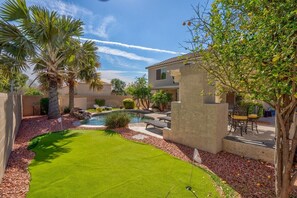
93, 163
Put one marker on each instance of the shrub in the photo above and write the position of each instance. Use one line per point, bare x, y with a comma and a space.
161, 99
117, 120
98, 110
32, 91
66, 110
129, 103
44, 106
251, 107
100, 102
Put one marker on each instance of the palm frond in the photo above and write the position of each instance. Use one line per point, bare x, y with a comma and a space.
13, 10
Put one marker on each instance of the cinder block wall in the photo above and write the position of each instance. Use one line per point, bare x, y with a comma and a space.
197, 121
10, 120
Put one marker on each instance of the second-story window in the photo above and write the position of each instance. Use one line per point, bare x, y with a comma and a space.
161, 74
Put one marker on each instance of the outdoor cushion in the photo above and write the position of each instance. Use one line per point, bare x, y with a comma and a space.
253, 116
236, 117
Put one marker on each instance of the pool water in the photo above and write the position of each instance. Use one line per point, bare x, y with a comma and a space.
100, 119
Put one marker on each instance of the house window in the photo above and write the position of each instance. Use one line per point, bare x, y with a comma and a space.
161, 74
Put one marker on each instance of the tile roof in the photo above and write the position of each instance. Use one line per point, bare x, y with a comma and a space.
173, 60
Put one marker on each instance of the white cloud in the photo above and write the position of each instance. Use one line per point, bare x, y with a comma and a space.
108, 75
131, 56
132, 46
100, 31
79, 12
117, 61
62, 8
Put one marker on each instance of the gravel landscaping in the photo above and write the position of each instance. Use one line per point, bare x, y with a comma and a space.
250, 178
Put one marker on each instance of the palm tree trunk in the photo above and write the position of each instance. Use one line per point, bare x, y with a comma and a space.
71, 95
53, 107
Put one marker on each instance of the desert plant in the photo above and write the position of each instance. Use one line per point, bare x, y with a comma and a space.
32, 91
100, 102
117, 120
98, 110
118, 86
66, 110
44, 102
140, 90
129, 103
251, 106
161, 99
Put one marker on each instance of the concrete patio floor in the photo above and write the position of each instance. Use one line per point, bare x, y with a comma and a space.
152, 131
265, 133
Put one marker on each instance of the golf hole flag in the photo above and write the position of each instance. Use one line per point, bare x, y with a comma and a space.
196, 156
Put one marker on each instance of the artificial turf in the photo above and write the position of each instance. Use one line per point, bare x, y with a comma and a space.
93, 163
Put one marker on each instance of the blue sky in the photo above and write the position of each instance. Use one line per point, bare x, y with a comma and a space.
130, 34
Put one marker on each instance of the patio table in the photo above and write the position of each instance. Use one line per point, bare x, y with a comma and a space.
239, 121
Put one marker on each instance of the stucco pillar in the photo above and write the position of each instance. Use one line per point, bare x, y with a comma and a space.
197, 121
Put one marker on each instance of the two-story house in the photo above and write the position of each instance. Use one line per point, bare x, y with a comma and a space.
160, 76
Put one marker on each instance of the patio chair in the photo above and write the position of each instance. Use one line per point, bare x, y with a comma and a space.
253, 118
239, 119
168, 113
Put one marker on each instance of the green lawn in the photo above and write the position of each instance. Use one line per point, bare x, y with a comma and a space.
103, 164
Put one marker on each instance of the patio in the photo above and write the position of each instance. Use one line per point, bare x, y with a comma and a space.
266, 129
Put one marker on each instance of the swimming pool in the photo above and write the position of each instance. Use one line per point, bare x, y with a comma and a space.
98, 120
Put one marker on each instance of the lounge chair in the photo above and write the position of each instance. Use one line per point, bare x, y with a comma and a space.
165, 118
102, 107
155, 123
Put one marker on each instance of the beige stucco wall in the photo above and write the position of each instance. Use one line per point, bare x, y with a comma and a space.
10, 120
165, 82
197, 121
28, 104
79, 102
111, 100
84, 89
249, 150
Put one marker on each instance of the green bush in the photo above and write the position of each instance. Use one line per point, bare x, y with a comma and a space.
129, 103
252, 106
98, 110
32, 91
44, 106
100, 102
117, 120
66, 110
161, 99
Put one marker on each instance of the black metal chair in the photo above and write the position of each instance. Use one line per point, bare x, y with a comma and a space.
253, 118
239, 119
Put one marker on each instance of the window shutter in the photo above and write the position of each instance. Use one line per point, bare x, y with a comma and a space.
158, 74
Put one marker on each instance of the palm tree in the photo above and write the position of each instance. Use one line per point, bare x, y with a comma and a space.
81, 65
49, 33
14, 49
